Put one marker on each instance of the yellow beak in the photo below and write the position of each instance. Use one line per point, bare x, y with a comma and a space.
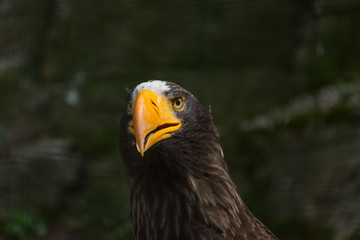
153, 120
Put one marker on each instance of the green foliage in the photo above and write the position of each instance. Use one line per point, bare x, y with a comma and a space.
25, 225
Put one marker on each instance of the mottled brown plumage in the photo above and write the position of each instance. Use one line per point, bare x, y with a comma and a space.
181, 188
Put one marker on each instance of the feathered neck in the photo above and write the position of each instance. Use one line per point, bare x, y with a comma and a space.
184, 191
176, 201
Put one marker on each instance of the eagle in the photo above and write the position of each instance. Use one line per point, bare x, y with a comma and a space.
180, 187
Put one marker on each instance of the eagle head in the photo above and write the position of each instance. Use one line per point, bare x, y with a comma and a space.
161, 119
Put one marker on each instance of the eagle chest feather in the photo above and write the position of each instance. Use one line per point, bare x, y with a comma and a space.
183, 208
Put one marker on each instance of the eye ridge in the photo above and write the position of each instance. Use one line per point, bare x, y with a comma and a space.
178, 103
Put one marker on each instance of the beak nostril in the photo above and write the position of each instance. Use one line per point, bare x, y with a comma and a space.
156, 108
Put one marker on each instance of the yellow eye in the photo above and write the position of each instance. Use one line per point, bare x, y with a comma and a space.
178, 103
129, 108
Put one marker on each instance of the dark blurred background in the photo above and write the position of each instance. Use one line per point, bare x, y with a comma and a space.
282, 79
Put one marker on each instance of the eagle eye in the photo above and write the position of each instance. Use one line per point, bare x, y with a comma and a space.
129, 108
178, 103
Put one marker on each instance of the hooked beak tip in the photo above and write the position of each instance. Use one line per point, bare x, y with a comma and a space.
140, 149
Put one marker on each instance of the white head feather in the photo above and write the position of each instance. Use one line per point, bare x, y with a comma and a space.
157, 86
